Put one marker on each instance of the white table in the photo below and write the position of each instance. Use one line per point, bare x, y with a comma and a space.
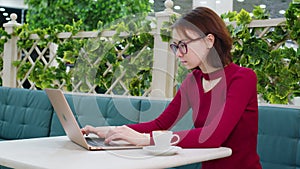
60, 152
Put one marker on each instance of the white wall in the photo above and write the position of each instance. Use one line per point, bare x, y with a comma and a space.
13, 3
219, 6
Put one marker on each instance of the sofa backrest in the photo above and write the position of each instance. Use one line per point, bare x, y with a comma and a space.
24, 113
279, 137
152, 108
104, 110
28, 113
99, 110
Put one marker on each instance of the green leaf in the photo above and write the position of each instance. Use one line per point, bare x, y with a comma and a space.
69, 57
231, 16
243, 17
260, 13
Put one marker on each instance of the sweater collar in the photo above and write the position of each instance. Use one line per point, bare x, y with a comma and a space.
216, 74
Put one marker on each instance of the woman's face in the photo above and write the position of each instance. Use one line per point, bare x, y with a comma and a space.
197, 49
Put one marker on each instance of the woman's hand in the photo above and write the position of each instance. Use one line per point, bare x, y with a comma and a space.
99, 131
113, 133
126, 133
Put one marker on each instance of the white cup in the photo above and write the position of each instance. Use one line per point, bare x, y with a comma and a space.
163, 138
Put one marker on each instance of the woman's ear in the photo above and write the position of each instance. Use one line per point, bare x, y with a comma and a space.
210, 39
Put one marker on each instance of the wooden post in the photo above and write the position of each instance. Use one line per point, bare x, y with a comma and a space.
10, 54
164, 63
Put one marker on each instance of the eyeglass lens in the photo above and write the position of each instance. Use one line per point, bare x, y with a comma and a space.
181, 46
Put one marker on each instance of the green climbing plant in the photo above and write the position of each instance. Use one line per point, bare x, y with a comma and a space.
44, 13
86, 59
276, 65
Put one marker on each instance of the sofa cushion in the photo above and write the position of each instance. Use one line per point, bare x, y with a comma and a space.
99, 110
298, 155
152, 108
278, 137
121, 111
24, 113
104, 110
90, 109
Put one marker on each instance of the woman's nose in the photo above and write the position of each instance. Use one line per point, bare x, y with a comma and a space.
179, 54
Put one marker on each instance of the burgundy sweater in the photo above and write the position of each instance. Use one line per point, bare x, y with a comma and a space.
225, 116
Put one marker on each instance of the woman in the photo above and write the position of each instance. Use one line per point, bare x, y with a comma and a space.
222, 95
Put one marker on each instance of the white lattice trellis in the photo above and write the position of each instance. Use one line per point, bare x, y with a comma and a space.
164, 70
46, 56
1, 72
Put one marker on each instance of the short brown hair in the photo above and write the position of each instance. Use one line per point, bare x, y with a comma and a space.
205, 21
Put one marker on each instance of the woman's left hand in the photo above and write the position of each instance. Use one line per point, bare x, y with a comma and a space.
126, 133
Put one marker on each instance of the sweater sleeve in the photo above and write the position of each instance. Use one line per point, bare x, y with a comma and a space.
170, 116
241, 89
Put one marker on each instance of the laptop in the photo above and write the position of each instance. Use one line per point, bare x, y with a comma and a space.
72, 129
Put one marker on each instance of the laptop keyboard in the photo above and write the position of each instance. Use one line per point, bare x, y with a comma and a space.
95, 141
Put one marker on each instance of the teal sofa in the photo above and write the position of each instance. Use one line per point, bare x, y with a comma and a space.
28, 114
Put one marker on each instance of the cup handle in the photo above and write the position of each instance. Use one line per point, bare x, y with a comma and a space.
177, 139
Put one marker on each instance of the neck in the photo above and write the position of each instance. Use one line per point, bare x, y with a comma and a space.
208, 69
213, 73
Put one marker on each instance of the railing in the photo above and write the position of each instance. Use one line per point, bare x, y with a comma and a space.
162, 64
164, 67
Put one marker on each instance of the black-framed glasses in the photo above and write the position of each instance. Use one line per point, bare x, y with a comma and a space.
182, 46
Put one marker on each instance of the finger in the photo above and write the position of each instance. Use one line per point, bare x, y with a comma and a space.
111, 131
101, 134
88, 129
115, 137
102, 131
118, 132
83, 131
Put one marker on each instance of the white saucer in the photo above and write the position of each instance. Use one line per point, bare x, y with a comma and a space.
162, 152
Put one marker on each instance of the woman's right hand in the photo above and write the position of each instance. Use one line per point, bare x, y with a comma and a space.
113, 133
99, 131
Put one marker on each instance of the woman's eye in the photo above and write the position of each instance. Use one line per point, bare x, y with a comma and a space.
181, 45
